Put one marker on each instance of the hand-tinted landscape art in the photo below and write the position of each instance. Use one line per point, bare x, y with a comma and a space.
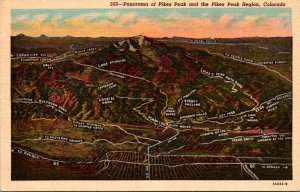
151, 94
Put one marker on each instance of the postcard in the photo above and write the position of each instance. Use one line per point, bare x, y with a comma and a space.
149, 95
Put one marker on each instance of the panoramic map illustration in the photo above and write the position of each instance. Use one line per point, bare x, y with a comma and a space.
151, 94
